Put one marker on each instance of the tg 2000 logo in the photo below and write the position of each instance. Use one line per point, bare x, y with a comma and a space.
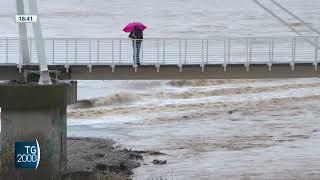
27, 154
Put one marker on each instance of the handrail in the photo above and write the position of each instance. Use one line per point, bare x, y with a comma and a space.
168, 51
120, 38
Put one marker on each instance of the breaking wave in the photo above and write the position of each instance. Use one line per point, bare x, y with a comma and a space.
210, 82
118, 98
232, 91
83, 109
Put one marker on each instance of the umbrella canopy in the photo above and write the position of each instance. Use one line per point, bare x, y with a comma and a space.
130, 27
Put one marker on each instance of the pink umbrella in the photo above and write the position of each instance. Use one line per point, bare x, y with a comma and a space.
130, 26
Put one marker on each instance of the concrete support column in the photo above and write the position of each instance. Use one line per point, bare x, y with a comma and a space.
32, 111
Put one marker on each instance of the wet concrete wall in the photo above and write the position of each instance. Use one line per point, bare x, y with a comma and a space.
29, 112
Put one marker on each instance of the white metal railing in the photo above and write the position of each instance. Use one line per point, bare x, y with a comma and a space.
224, 51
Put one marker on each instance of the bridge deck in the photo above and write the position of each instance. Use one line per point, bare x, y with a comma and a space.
148, 72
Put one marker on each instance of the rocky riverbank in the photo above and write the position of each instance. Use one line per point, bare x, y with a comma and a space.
100, 159
91, 158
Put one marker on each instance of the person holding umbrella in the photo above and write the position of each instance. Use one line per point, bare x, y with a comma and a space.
136, 34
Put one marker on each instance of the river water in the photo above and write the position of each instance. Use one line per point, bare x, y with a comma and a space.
209, 129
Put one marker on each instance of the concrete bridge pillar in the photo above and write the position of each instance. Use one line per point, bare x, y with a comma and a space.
31, 111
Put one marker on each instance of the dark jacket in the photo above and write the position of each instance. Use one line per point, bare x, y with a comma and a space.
136, 34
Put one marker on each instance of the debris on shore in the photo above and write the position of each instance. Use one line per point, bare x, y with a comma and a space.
159, 162
93, 158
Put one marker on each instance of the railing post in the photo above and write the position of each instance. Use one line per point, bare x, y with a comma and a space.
7, 50
293, 53
294, 50
271, 50
141, 52
134, 52
30, 50
75, 51
112, 49
207, 51
90, 56
53, 51
202, 53
67, 51
98, 51
247, 52
185, 51
226, 53
250, 51
158, 52
202, 56
120, 51
229, 50
90, 53
225, 50
316, 55
164, 51
180, 53
20, 58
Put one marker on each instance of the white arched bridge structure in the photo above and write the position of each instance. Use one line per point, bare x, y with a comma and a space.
219, 58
